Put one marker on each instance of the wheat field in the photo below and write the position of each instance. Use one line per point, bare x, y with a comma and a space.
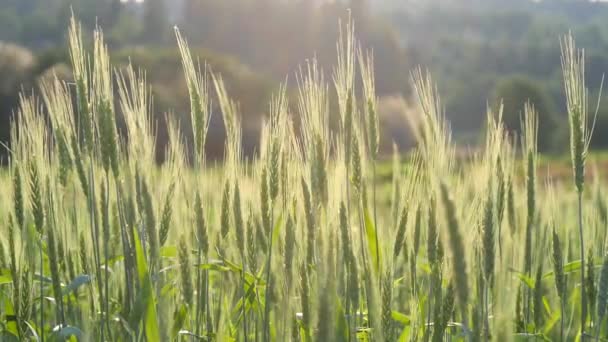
303, 242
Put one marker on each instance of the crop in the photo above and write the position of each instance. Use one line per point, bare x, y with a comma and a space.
303, 242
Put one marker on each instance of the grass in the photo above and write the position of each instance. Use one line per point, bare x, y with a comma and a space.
315, 239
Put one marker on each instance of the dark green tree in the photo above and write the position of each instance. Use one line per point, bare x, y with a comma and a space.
514, 92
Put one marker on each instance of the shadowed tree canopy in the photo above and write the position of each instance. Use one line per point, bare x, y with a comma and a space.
471, 47
514, 92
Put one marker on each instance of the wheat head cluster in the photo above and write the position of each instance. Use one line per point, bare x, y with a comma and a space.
303, 242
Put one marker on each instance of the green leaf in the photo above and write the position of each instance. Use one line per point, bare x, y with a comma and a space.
179, 318
571, 267
528, 281
5, 276
370, 232
249, 277
400, 317
168, 251
342, 326
165, 252
9, 311
404, 337
250, 295
215, 265
547, 306
76, 283
554, 318
276, 230
147, 292
33, 330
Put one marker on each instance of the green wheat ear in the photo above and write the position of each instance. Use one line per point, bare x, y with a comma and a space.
311, 233
371, 120
573, 68
432, 237
488, 245
36, 197
538, 298
18, 197
150, 222
239, 228
400, 236
185, 270
197, 81
347, 249
166, 216
357, 172
558, 267
225, 212
305, 300
201, 227
265, 200
290, 246
602, 291
81, 69
252, 247
461, 282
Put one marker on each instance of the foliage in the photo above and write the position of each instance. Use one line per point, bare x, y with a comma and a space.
515, 91
473, 47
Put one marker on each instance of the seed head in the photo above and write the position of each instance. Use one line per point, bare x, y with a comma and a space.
185, 273
201, 226
400, 237
457, 248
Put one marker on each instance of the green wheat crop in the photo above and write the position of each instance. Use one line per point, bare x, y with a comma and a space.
303, 242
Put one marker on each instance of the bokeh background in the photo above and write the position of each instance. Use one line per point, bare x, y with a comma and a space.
479, 51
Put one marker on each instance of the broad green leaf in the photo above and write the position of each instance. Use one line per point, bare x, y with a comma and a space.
249, 277
215, 265
400, 317
424, 267
179, 318
404, 337
528, 281
149, 301
571, 267
5, 276
342, 327
168, 251
554, 317
250, 296
168, 289
547, 306
9, 315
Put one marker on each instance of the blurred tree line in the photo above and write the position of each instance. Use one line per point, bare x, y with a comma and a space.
485, 52
480, 53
